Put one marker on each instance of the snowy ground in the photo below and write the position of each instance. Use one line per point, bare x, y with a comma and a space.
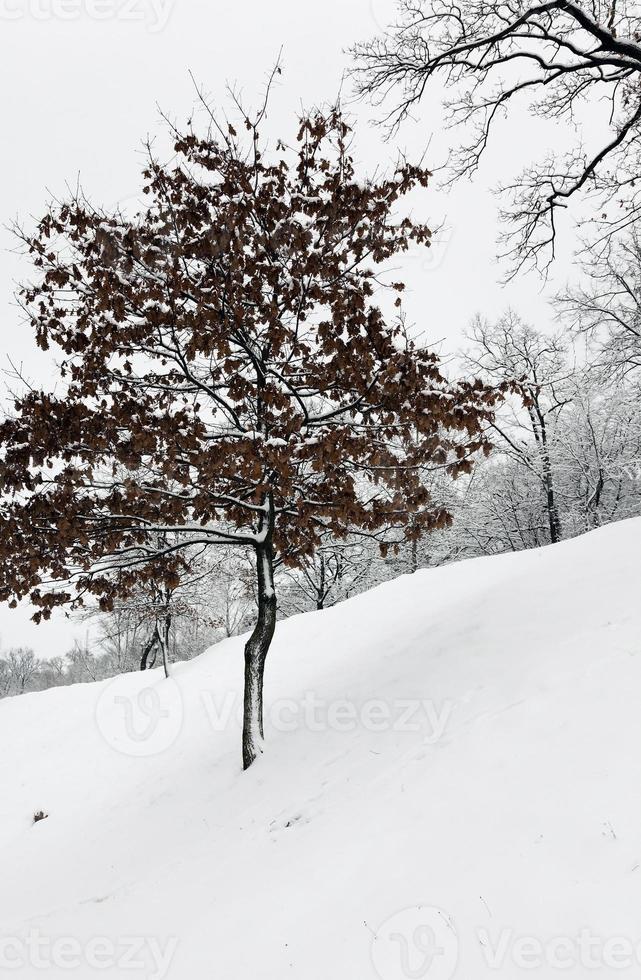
452, 788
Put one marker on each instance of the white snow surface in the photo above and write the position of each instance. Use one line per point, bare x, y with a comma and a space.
452, 771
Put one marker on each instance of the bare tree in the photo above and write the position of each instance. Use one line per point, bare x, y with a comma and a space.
337, 570
57, 666
600, 444
83, 665
233, 595
500, 509
5, 678
510, 349
607, 308
558, 54
22, 666
157, 618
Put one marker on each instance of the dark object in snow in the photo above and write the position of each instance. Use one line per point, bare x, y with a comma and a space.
39, 815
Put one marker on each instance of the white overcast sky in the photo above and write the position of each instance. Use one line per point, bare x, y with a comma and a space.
81, 92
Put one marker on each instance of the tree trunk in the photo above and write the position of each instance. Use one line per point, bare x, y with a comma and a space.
554, 521
158, 639
257, 646
320, 592
553, 514
147, 650
163, 642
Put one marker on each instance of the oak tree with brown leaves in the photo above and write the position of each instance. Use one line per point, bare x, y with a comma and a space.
226, 378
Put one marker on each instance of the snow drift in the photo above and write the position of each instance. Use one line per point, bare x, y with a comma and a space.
451, 788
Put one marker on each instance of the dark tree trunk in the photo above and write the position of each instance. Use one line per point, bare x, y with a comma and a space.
163, 634
553, 516
539, 427
159, 639
151, 642
592, 506
554, 521
257, 647
320, 592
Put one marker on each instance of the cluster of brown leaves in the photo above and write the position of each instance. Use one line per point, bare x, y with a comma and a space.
221, 348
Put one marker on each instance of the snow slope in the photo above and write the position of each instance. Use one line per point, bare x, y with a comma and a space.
451, 788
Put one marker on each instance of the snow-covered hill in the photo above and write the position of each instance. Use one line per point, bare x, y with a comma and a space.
452, 788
